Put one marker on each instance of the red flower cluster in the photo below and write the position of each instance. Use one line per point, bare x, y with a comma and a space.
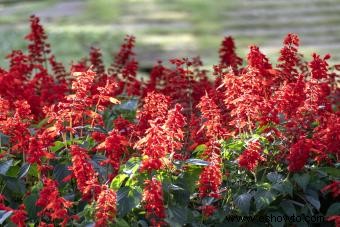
51, 116
250, 158
84, 173
106, 207
153, 202
54, 207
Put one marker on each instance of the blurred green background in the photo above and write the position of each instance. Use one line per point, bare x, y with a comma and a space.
173, 28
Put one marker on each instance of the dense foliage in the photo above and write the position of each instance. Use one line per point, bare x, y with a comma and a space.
100, 146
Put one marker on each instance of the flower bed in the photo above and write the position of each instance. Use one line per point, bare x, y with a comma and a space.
95, 145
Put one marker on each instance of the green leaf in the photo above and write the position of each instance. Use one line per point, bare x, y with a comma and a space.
334, 209
5, 165
23, 170
274, 177
302, 180
60, 171
263, 199
188, 180
4, 139
200, 149
314, 201
31, 208
14, 185
118, 181
120, 222
127, 199
57, 146
33, 170
288, 207
335, 172
243, 202
4, 215
177, 216
131, 166
197, 162
284, 187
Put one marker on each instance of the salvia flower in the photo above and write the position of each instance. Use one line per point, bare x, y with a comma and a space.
106, 207
250, 158
153, 202
83, 171
53, 205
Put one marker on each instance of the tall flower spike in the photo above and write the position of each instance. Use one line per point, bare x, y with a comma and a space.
319, 66
289, 58
38, 47
228, 56
298, 154
54, 206
87, 181
250, 158
212, 114
106, 207
153, 202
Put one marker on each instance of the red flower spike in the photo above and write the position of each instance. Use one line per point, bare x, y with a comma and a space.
250, 158
53, 205
83, 171
106, 207
153, 202
228, 56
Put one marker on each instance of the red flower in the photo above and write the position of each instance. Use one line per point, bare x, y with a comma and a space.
212, 114
319, 66
289, 58
87, 181
54, 206
115, 146
298, 154
250, 158
38, 48
106, 207
97, 61
334, 188
208, 210
153, 202
228, 56
19, 216
335, 218
211, 177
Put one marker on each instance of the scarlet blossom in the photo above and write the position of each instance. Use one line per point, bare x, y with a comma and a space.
289, 58
212, 114
299, 153
59, 70
162, 138
334, 188
38, 46
335, 218
250, 158
83, 171
19, 216
154, 146
211, 177
115, 146
106, 207
156, 105
123, 56
228, 55
153, 202
53, 205
319, 66
208, 210
97, 61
